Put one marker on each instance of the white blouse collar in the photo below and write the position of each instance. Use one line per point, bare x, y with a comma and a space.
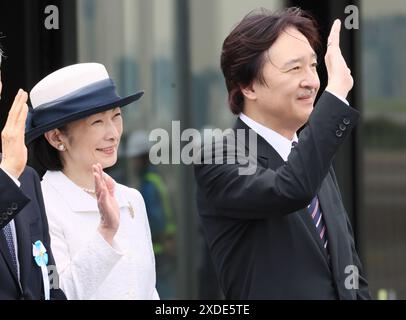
77, 199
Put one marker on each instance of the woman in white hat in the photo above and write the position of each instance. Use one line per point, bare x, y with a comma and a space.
99, 229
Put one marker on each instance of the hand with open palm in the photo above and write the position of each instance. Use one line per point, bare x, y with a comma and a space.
107, 203
340, 80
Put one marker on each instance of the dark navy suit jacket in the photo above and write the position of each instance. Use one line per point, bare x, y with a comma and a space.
25, 205
262, 239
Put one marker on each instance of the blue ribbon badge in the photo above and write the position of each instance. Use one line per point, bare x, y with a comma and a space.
41, 258
40, 254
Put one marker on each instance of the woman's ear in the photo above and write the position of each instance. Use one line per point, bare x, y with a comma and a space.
249, 91
56, 139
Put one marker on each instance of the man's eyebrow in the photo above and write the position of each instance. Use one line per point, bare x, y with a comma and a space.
314, 55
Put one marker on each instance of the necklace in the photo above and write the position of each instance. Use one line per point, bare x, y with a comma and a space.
91, 191
130, 207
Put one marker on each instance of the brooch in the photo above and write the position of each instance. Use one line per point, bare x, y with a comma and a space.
131, 209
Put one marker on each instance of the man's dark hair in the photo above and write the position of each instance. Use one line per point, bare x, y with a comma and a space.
243, 53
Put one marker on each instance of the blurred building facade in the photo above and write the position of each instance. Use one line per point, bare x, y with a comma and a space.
382, 226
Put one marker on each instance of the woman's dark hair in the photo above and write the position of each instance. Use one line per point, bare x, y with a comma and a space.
242, 56
43, 156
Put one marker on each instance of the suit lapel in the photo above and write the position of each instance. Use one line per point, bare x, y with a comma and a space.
24, 248
264, 150
330, 218
4, 251
330, 221
306, 219
273, 161
7, 256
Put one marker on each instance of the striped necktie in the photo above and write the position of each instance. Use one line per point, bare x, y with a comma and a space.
10, 243
316, 214
317, 217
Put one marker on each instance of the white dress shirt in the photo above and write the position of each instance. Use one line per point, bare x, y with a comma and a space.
88, 267
282, 145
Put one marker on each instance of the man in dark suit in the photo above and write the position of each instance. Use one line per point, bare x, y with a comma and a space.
22, 216
280, 231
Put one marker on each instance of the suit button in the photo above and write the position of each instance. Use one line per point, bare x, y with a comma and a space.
343, 127
14, 206
339, 133
346, 121
9, 212
5, 216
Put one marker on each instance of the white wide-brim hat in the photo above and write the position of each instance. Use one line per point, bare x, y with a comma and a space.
70, 94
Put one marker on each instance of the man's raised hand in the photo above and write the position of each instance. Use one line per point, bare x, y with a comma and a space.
14, 156
340, 81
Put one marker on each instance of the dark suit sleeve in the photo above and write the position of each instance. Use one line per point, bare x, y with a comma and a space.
56, 294
12, 199
363, 291
292, 186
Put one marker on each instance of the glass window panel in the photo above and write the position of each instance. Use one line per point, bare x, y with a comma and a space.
383, 221
135, 40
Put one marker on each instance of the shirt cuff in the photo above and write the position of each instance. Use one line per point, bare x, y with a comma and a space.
339, 97
18, 183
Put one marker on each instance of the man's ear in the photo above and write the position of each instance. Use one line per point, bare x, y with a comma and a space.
249, 92
55, 138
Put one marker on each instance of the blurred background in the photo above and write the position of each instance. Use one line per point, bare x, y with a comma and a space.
171, 49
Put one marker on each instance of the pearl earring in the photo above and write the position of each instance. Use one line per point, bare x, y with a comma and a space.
61, 147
